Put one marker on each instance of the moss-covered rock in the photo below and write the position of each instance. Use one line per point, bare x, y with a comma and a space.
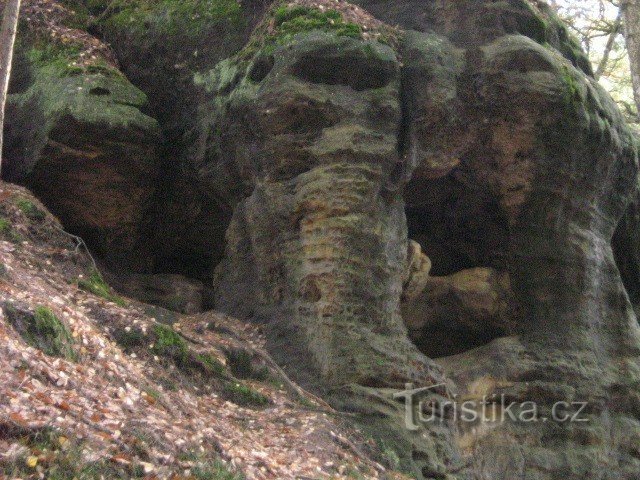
79, 128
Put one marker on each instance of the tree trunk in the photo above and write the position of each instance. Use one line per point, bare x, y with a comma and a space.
631, 15
615, 30
7, 40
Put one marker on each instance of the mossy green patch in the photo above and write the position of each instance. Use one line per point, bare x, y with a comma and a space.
30, 209
244, 395
290, 21
175, 17
64, 60
211, 365
213, 470
155, 394
78, 14
206, 468
129, 338
170, 344
572, 93
241, 365
95, 284
43, 330
7, 232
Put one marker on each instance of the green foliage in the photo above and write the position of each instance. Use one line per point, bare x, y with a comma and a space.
206, 467
78, 14
30, 210
129, 339
43, 330
153, 393
390, 456
63, 60
51, 335
290, 21
56, 57
210, 364
213, 470
572, 94
96, 7
95, 284
244, 395
169, 344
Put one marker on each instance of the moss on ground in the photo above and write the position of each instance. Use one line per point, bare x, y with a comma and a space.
31, 211
7, 232
95, 284
207, 468
211, 365
78, 14
129, 338
241, 365
244, 395
214, 470
170, 344
43, 330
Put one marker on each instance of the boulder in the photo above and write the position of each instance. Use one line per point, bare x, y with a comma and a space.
77, 136
455, 313
172, 292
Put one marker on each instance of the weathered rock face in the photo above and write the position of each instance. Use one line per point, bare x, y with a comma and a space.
159, 45
458, 312
77, 135
514, 163
473, 129
318, 239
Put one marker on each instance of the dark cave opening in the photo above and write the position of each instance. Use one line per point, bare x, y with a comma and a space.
458, 226
465, 301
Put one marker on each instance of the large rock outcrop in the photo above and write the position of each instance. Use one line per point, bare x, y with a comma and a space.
77, 135
482, 121
350, 160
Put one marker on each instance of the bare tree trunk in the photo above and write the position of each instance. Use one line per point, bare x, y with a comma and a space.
615, 30
631, 15
7, 40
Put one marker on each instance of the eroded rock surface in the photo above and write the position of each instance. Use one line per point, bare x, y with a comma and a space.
461, 311
322, 141
77, 135
474, 128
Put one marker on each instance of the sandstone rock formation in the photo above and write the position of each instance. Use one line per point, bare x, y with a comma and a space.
333, 135
77, 126
455, 313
